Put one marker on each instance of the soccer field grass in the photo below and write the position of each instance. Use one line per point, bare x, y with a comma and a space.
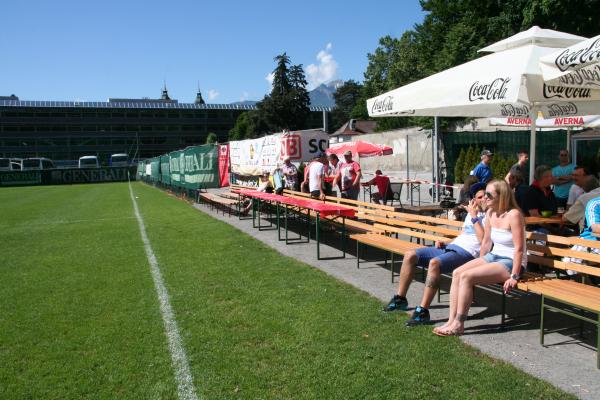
80, 317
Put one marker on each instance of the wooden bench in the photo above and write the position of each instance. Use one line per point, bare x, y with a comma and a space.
217, 201
569, 293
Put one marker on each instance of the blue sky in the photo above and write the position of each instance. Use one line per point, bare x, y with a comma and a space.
90, 51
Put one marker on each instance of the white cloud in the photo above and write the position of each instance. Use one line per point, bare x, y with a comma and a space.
270, 78
245, 96
213, 94
324, 71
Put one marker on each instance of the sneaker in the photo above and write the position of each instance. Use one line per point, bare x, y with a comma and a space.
397, 303
420, 317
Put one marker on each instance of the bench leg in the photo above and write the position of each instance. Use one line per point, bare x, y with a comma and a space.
542, 320
503, 318
357, 254
598, 344
392, 265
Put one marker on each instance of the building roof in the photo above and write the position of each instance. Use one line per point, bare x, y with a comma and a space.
356, 127
133, 103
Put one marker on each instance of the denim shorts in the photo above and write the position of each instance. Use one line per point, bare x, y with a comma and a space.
505, 261
450, 257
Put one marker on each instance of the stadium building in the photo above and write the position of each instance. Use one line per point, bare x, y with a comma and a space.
142, 128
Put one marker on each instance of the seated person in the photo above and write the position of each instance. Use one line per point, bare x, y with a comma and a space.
460, 211
539, 196
579, 174
264, 185
465, 195
440, 259
384, 192
516, 182
576, 213
591, 227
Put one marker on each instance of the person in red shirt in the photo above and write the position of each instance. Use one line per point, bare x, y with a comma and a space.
384, 192
349, 177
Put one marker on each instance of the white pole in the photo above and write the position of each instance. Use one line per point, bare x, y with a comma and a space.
436, 174
533, 117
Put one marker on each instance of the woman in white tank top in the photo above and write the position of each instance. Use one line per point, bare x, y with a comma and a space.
505, 231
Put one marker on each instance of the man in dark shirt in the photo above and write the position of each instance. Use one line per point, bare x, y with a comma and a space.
539, 196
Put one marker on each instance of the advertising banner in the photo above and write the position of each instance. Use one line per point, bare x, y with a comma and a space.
155, 169
174, 168
255, 156
195, 167
87, 175
165, 171
223, 165
20, 178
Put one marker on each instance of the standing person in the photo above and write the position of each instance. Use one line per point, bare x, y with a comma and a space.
505, 231
332, 171
579, 175
290, 173
440, 259
562, 178
522, 159
384, 192
334, 165
483, 171
316, 174
349, 176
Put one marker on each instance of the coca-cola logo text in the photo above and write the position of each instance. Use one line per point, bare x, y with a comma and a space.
588, 77
495, 90
569, 59
382, 105
558, 109
510, 110
551, 92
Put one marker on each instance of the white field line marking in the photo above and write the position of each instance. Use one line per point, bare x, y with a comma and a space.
66, 221
185, 383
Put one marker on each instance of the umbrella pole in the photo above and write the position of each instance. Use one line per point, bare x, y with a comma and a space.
532, 141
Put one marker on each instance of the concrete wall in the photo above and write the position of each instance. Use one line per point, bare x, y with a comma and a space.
419, 151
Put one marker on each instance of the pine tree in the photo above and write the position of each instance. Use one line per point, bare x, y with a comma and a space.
460, 166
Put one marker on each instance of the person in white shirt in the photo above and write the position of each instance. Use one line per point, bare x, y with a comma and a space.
316, 175
576, 213
576, 190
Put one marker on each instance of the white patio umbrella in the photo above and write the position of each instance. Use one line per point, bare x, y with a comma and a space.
575, 66
506, 83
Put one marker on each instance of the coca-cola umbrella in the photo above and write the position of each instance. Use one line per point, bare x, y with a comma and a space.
506, 83
360, 148
575, 66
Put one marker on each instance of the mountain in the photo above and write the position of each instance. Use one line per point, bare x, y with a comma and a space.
321, 96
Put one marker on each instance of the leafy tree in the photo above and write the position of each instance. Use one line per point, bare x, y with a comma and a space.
247, 126
459, 175
211, 138
346, 97
287, 106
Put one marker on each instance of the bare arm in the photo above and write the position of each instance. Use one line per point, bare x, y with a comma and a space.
596, 228
534, 213
477, 226
357, 179
517, 227
486, 243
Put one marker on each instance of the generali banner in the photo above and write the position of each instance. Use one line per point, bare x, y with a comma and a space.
256, 156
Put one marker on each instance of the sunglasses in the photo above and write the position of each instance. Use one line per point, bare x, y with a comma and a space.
489, 195
563, 155
480, 197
